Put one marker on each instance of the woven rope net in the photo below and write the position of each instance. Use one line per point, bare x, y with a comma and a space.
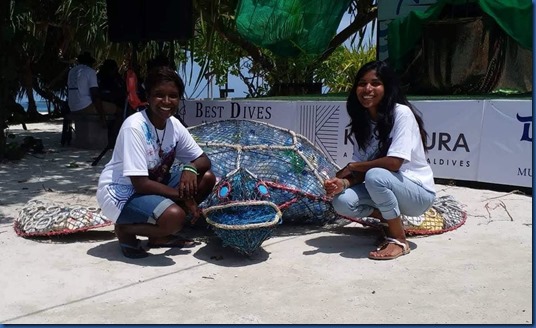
44, 218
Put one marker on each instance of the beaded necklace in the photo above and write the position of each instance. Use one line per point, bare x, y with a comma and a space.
158, 141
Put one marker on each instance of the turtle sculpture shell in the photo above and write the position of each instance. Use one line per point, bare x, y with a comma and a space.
290, 166
259, 165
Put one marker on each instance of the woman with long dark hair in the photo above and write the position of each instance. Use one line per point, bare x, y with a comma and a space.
389, 175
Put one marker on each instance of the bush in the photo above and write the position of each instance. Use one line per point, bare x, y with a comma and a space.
338, 72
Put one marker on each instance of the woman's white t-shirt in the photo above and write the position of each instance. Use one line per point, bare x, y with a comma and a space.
406, 143
136, 153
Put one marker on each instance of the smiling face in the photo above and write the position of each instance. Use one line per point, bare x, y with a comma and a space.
163, 102
370, 91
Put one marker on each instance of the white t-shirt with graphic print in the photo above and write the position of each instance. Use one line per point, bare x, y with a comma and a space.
406, 144
136, 153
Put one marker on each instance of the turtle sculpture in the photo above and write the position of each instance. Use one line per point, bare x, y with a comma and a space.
268, 175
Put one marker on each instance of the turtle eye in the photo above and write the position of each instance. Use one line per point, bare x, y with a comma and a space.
224, 191
262, 189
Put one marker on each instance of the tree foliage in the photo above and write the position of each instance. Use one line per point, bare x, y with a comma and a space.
41, 38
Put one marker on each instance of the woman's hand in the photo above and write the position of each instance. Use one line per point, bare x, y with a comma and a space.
188, 185
334, 186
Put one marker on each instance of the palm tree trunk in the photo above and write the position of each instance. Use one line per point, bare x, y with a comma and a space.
27, 84
4, 86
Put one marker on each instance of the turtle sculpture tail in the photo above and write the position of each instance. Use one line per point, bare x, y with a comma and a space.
446, 214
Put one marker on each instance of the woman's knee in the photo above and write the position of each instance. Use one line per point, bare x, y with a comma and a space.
346, 206
208, 180
376, 175
206, 184
172, 220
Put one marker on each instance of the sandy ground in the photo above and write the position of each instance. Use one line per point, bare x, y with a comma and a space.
479, 273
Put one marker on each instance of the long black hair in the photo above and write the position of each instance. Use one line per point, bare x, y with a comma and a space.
359, 115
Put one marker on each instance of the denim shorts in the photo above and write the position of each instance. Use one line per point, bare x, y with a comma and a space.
147, 208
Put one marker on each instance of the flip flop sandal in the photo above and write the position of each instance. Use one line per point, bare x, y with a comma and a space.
133, 252
405, 249
174, 242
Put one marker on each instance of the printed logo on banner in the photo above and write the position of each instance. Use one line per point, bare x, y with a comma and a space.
281, 114
446, 142
453, 143
527, 120
319, 124
238, 111
506, 157
525, 136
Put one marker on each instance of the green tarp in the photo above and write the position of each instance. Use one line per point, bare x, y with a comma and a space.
513, 16
290, 27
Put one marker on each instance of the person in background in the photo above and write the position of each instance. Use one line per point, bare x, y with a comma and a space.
137, 190
83, 90
111, 85
389, 175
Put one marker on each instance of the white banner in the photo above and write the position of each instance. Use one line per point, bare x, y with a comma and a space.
506, 149
279, 113
454, 128
462, 145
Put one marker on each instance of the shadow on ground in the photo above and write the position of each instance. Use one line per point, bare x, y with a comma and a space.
351, 245
110, 251
57, 173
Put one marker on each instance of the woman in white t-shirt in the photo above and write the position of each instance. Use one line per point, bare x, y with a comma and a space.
389, 175
136, 189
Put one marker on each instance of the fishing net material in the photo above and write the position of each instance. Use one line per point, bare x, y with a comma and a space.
41, 218
446, 214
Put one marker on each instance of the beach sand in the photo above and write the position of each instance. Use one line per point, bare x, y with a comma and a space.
480, 273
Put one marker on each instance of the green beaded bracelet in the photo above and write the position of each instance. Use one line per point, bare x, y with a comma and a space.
190, 168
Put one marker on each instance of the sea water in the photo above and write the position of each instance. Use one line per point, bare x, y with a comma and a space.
41, 106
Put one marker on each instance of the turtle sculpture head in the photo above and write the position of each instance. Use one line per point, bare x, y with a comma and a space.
240, 211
